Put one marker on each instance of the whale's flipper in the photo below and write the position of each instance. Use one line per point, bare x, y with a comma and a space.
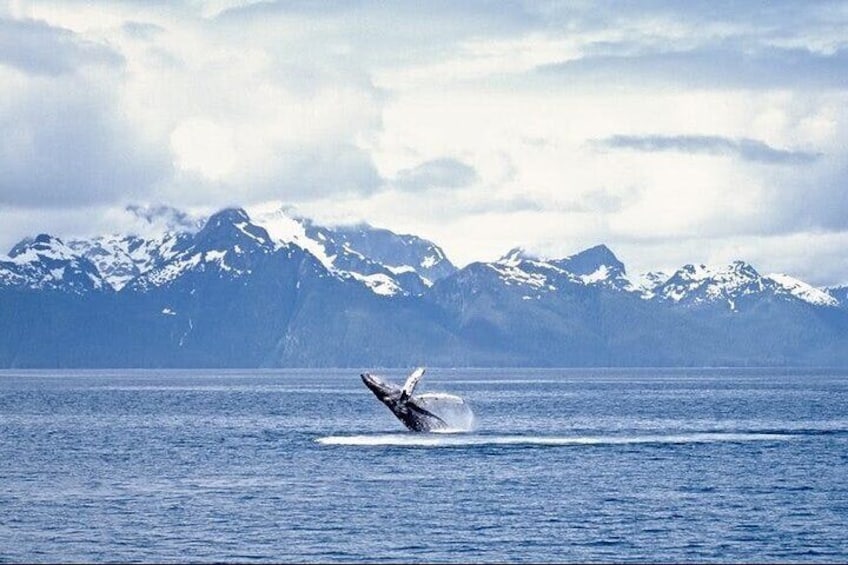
411, 382
424, 412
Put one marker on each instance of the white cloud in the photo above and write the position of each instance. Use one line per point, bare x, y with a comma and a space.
65, 137
476, 127
201, 146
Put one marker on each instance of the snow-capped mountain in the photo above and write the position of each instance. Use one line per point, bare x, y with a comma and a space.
226, 246
691, 285
385, 262
380, 260
46, 263
399, 253
694, 285
122, 258
803, 291
698, 284
530, 275
280, 290
340, 260
596, 266
165, 232
647, 283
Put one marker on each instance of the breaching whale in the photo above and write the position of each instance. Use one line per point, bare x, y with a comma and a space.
409, 409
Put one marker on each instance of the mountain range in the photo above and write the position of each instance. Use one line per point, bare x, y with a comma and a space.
278, 290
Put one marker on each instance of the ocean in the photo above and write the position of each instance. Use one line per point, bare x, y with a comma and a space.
576, 465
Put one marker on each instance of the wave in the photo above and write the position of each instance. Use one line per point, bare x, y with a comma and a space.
465, 440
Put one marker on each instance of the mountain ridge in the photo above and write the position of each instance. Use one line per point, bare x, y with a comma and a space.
280, 290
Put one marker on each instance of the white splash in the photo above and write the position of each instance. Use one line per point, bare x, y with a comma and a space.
465, 440
452, 409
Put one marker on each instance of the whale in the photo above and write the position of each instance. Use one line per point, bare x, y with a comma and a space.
409, 408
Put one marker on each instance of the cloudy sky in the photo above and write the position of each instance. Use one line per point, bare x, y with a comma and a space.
674, 132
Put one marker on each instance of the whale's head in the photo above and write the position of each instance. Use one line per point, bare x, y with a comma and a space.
381, 389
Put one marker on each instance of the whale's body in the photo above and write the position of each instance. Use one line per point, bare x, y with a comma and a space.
408, 408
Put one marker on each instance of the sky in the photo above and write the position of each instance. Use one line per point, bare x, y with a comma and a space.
673, 132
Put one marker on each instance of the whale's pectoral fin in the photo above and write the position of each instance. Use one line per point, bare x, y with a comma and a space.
411, 383
424, 412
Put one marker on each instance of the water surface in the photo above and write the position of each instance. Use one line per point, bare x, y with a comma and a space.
294, 465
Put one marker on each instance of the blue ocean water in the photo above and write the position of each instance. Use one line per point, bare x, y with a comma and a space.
304, 466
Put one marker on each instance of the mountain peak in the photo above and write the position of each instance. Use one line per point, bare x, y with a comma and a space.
736, 268
43, 245
600, 250
46, 239
698, 284
743, 268
367, 254
593, 260
804, 291
228, 215
232, 226
515, 256
44, 262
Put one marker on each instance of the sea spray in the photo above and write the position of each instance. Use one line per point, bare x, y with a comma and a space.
541, 441
453, 410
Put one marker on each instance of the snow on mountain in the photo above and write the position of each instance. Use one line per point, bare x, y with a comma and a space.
697, 284
285, 229
647, 283
379, 283
160, 256
383, 261
519, 269
515, 257
224, 247
386, 263
400, 253
46, 263
233, 227
522, 276
156, 235
235, 293
596, 266
804, 291
121, 258
689, 285
9, 275
700, 284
